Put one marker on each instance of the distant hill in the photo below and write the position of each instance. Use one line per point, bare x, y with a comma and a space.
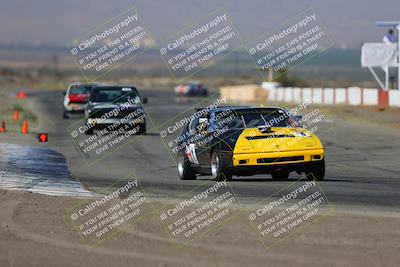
332, 64
349, 23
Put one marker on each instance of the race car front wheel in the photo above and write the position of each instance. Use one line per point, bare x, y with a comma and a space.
218, 169
317, 172
89, 130
185, 171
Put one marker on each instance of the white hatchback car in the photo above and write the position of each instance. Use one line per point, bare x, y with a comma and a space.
76, 97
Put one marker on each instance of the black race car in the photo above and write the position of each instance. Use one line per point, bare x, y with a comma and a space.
115, 107
244, 141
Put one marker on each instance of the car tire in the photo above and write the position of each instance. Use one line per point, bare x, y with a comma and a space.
185, 170
317, 172
280, 175
89, 131
219, 171
142, 129
65, 114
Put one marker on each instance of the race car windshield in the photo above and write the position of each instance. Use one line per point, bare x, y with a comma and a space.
272, 120
117, 95
253, 119
80, 90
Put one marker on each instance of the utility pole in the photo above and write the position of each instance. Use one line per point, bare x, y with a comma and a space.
236, 55
55, 65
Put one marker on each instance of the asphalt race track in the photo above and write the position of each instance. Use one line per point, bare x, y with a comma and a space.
362, 162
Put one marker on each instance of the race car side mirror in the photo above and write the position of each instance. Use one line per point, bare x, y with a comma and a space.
298, 118
144, 100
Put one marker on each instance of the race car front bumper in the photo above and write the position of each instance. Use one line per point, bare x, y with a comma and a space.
277, 158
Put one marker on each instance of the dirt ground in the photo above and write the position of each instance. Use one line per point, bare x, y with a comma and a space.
35, 231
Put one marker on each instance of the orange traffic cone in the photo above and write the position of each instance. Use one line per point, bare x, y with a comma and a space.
24, 129
16, 115
3, 127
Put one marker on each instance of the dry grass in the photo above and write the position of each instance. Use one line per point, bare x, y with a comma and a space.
8, 104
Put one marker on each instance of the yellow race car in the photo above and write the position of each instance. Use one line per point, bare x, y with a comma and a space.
243, 141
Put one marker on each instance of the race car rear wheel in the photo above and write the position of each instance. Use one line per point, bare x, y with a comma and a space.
317, 171
185, 171
218, 167
280, 175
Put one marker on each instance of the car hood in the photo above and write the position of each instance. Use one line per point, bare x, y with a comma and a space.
277, 139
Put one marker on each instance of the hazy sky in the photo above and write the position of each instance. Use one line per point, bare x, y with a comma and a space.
349, 22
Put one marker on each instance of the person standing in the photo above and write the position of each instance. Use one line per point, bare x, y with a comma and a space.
390, 37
